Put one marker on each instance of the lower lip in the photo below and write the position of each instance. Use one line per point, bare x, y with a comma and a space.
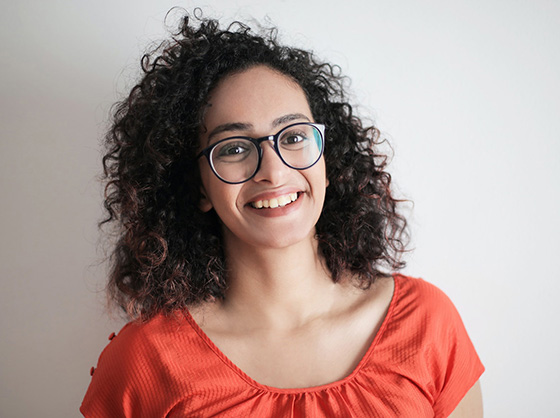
279, 211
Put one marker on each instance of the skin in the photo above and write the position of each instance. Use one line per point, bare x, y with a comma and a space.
275, 102
270, 299
471, 404
279, 288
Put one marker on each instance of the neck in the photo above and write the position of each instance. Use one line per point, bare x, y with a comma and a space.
279, 287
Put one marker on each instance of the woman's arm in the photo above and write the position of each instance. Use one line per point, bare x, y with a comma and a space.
471, 405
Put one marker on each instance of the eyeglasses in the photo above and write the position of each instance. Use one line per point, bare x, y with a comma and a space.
237, 159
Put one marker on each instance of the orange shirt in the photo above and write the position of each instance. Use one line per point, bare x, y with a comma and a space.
420, 364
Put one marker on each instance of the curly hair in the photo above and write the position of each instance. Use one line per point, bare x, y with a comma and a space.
169, 254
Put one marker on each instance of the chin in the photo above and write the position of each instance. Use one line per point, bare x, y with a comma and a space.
277, 239
279, 243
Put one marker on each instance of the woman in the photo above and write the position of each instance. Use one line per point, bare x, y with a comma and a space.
256, 225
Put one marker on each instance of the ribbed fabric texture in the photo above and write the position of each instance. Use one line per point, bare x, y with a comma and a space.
420, 364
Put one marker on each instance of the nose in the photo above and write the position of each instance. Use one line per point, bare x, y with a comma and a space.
272, 169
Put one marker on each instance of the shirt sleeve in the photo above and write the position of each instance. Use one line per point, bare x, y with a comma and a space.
130, 380
114, 385
457, 364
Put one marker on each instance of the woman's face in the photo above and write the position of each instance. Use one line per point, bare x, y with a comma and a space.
256, 103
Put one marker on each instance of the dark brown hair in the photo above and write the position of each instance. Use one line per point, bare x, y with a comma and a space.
169, 254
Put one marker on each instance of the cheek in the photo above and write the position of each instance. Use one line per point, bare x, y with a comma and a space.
221, 196
321, 175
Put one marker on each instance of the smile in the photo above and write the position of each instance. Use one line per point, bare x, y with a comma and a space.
276, 202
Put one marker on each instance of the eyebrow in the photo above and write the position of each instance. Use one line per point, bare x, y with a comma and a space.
288, 118
240, 126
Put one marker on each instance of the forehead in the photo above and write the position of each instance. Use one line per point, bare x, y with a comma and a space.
256, 96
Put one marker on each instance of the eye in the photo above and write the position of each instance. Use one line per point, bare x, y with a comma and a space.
232, 151
294, 139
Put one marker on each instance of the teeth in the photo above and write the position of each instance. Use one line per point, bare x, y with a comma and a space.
284, 200
275, 202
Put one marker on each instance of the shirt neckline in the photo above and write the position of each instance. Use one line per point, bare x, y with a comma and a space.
248, 379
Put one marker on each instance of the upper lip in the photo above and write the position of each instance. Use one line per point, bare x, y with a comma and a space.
271, 194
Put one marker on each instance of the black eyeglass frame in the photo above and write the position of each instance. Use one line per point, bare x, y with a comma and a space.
207, 152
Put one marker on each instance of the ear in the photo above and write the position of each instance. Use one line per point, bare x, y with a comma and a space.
204, 205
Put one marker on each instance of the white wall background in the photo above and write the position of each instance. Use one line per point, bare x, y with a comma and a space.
467, 91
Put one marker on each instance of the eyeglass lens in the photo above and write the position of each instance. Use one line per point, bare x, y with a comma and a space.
237, 159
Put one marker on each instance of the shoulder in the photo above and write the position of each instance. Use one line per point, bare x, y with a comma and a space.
427, 326
418, 287
138, 341
132, 367
417, 297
